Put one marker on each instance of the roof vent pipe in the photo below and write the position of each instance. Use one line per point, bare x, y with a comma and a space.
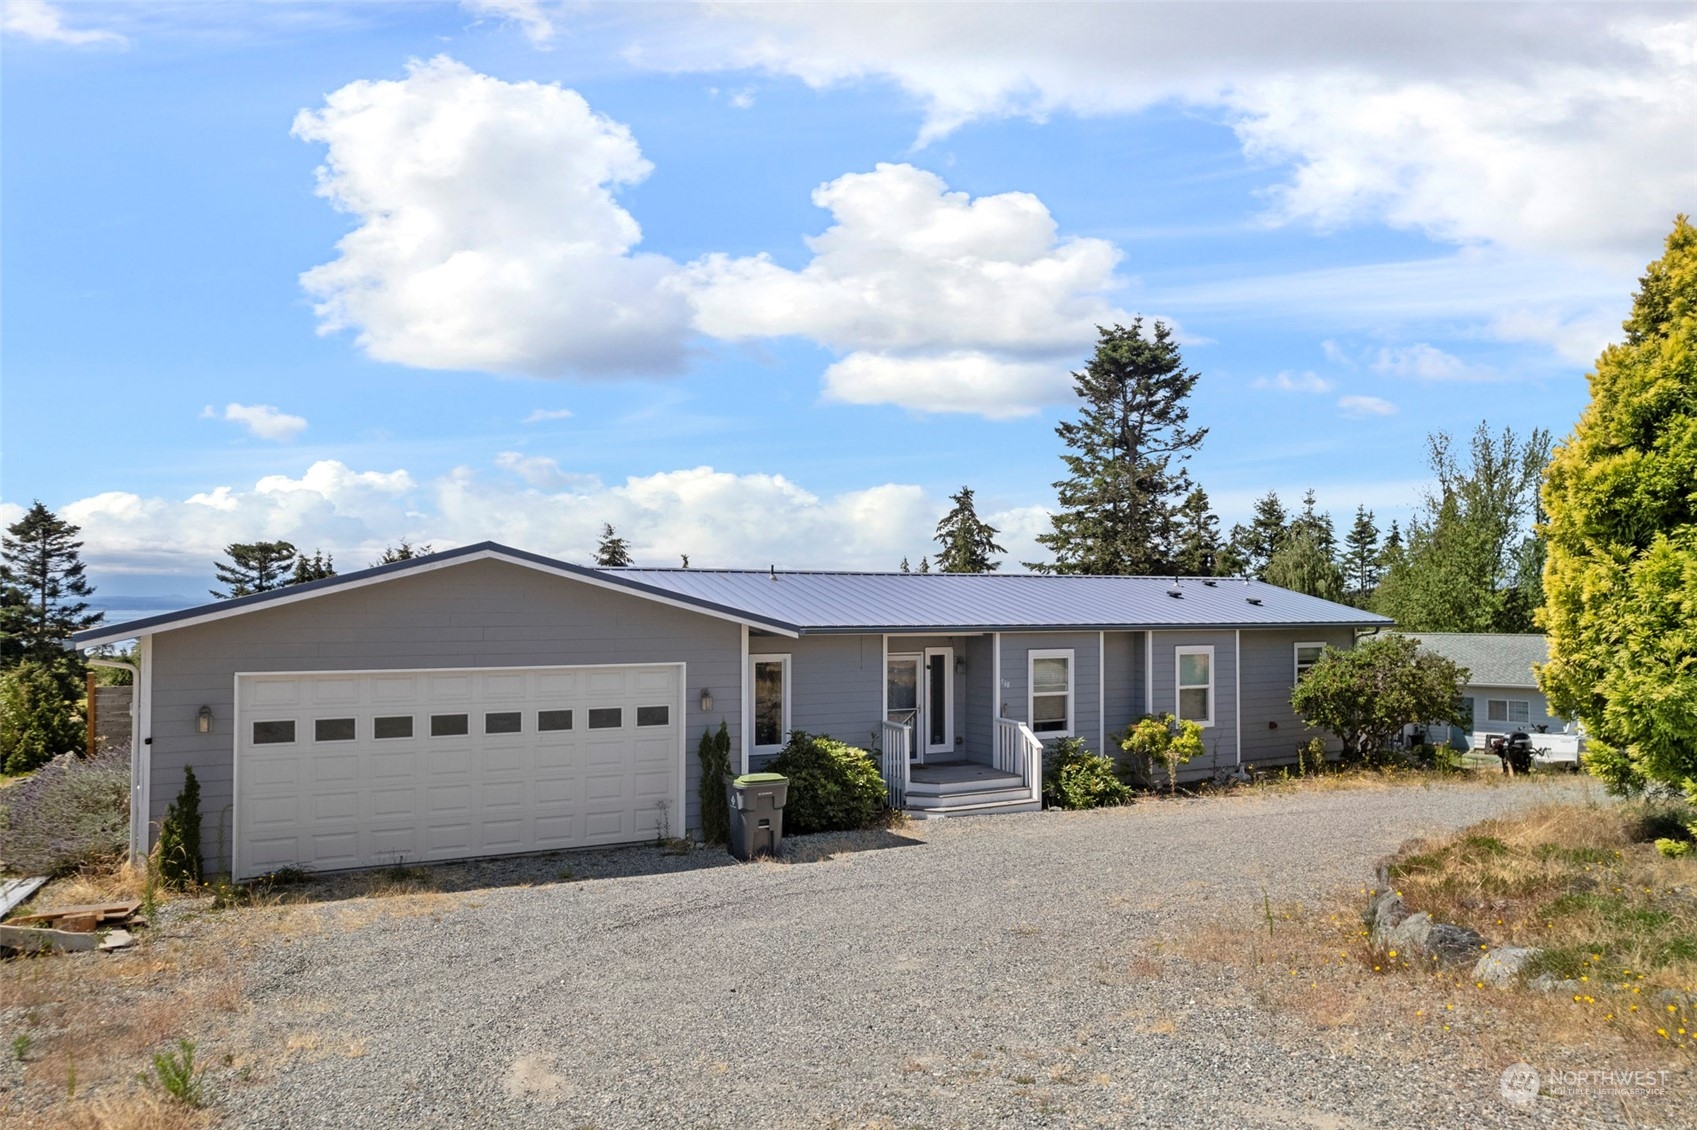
1174, 590
774, 572
1253, 599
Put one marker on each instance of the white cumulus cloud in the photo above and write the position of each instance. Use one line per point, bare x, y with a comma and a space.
39, 20
938, 301
543, 415
264, 420
488, 236
1427, 363
1359, 407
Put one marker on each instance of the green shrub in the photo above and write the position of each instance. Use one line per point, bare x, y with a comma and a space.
38, 722
179, 836
176, 1075
72, 812
715, 754
1159, 744
834, 787
1073, 777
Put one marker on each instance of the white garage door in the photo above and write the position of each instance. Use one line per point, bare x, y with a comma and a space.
361, 769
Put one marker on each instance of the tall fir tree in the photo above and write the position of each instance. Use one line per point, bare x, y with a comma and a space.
906, 568
319, 567
1317, 523
405, 551
967, 540
254, 567
1620, 576
613, 549
924, 565
1199, 551
1361, 558
1256, 543
42, 590
1126, 479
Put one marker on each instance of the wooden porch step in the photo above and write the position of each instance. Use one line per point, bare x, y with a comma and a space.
967, 799
993, 808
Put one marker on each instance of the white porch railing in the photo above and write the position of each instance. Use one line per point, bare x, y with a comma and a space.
1019, 751
895, 745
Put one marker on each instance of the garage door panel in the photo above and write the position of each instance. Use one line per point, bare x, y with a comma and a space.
371, 801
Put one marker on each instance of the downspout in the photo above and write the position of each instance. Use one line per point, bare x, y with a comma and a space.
135, 746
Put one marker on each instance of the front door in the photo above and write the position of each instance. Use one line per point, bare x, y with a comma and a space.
901, 702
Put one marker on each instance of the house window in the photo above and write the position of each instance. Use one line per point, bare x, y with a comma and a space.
1467, 710
1195, 671
1513, 711
770, 678
1051, 692
1307, 654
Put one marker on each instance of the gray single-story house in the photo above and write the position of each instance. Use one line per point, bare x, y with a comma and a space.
1502, 692
485, 700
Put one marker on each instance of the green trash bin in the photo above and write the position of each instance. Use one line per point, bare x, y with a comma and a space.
756, 803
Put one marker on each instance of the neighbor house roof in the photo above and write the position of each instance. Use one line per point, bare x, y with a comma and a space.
796, 603
1492, 659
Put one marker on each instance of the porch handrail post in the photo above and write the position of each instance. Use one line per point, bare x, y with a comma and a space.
895, 743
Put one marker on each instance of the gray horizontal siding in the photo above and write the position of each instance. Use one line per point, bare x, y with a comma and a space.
980, 699
1016, 677
1219, 741
1123, 685
836, 683
480, 614
1272, 732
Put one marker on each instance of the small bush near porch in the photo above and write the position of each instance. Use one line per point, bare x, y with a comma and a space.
1073, 777
834, 787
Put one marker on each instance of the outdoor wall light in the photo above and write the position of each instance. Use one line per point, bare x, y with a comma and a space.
706, 701
960, 663
203, 720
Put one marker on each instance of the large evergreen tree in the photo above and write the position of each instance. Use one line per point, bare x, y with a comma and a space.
1256, 543
320, 566
967, 540
1198, 551
1459, 570
1361, 558
42, 589
613, 550
405, 551
254, 567
1125, 460
1620, 581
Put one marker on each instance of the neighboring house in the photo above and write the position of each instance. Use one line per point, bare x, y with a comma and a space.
485, 700
1502, 693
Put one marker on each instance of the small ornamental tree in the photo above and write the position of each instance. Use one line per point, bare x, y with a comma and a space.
1160, 742
1620, 579
179, 836
1366, 695
714, 752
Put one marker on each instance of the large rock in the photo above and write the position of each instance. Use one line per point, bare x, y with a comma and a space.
1384, 914
1417, 938
1409, 936
1501, 968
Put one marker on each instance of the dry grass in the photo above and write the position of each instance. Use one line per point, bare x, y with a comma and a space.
1575, 879
1286, 779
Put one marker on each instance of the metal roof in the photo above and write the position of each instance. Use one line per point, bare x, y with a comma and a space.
915, 602
802, 602
1492, 659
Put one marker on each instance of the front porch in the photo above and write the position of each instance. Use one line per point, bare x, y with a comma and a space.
1011, 782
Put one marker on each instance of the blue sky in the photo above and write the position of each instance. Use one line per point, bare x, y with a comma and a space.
765, 284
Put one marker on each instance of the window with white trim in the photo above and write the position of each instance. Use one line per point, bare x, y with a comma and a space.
1307, 654
1193, 668
1515, 711
1050, 682
769, 683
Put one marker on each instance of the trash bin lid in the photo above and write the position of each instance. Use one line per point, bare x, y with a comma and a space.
759, 779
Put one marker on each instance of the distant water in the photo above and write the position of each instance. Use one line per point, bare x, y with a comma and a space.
120, 608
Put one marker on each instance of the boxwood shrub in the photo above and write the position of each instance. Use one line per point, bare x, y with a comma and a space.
834, 787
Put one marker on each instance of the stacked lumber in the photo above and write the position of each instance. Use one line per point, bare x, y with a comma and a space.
74, 927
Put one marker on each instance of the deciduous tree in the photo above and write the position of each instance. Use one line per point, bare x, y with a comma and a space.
1366, 695
1620, 581
1126, 454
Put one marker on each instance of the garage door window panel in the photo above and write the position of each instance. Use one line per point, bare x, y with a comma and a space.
549, 721
392, 726
504, 722
450, 725
653, 716
279, 732
606, 717
334, 730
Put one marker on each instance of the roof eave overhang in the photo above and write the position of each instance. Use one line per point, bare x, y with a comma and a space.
293, 594
966, 629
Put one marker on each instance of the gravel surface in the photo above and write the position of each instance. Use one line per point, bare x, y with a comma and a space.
970, 972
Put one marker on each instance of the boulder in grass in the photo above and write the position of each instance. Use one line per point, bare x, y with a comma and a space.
1501, 968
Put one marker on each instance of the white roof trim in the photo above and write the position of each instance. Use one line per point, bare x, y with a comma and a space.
215, 613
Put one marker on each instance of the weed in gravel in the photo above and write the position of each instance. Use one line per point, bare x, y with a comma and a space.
21, 1045
176, 1074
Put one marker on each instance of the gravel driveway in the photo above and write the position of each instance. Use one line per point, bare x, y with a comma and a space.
971, 972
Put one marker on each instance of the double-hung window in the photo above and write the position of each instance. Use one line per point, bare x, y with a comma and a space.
769, 676
1516, 711
1307, 654
1051, 692
1194, 666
